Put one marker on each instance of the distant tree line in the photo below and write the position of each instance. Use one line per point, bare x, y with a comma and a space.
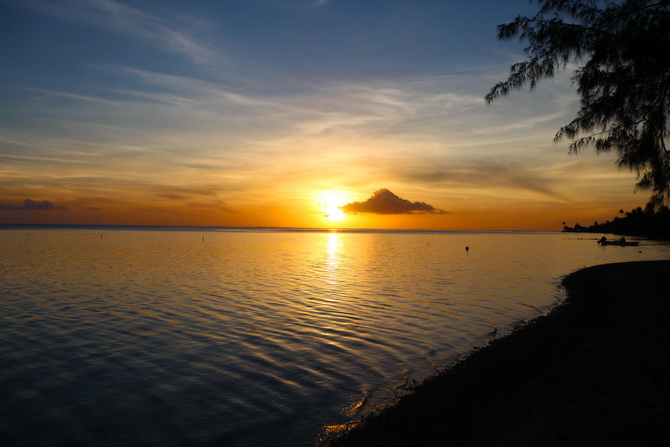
648, 222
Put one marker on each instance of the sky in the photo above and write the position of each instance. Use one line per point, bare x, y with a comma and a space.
286, 113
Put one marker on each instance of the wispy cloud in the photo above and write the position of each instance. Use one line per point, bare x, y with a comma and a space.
175, 33
483, 175
32, 205
302, 4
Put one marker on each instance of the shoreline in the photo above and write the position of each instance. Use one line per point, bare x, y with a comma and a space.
594, 371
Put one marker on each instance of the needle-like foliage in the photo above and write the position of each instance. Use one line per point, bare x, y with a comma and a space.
622, 49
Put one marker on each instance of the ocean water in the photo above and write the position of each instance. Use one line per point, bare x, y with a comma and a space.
247, 337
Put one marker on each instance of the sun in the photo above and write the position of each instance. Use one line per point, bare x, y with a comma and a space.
333, 213
330, 203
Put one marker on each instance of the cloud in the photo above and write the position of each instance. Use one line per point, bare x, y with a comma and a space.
32, 205
385, 202
529, 175
172, 32
301, 4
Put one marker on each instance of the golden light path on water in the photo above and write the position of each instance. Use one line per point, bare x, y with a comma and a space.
252, 336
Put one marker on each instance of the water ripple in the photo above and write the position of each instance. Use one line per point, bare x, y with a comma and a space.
250, 338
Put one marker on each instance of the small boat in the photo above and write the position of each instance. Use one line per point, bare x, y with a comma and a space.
621, 242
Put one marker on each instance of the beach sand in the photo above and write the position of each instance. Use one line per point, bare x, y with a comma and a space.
595, 371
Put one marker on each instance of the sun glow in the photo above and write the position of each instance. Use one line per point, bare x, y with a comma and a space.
330, 203
333, 213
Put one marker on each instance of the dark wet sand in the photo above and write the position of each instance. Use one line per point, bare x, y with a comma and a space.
596, 371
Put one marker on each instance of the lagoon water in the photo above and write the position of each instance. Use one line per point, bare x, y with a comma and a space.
246, 337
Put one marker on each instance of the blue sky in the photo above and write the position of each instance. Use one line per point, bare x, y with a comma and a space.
258, 112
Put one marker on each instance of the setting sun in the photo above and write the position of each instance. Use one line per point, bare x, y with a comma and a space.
333, 213
329, 203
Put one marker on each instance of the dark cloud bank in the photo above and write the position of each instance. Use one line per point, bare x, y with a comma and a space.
32, 205
385, 202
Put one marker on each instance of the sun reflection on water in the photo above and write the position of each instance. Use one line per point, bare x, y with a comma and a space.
332, 253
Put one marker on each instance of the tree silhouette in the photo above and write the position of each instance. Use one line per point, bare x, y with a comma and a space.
648, 222
624, 79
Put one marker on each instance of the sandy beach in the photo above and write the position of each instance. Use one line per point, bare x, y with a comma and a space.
595, 371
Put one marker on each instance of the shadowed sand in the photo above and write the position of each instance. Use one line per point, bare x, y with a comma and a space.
596, 371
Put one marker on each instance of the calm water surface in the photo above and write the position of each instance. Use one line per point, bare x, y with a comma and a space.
206, 337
